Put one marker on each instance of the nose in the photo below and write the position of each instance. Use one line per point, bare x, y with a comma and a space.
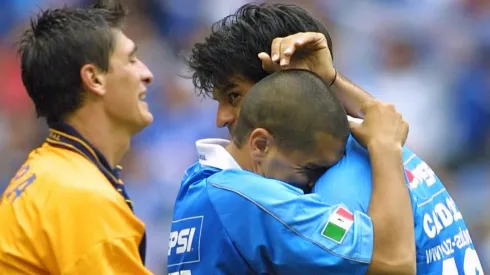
225, 116
146, 74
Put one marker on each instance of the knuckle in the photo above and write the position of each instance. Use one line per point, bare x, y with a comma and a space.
390, 106
277, 41
371, 103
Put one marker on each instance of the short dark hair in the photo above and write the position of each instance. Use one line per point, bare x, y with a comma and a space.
232, 47
294, 106
56, 46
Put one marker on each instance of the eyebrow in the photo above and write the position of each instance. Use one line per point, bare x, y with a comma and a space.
229, 86
225, 89
313, 166
134, 50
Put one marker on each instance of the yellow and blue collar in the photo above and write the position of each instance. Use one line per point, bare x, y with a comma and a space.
64, 136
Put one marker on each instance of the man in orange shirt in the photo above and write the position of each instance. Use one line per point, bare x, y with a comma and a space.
66, 210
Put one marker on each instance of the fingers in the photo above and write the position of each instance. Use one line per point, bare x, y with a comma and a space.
406, 130
368, 105
286, 51
354, 125
376, 104
386, 114
356, 129
267, 64
283, 48
276, 49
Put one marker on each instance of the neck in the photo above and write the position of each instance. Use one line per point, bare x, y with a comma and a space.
111, 141
239, 156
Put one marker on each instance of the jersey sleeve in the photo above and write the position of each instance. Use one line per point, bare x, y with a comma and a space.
92, 233
279, 230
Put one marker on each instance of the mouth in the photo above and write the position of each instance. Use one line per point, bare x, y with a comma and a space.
142, 96
230, 129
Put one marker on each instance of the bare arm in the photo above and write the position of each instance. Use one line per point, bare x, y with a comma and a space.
383, 132
351, 95
390, 209
391, 213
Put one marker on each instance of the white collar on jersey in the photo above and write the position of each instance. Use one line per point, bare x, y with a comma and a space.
212, 153
355, 120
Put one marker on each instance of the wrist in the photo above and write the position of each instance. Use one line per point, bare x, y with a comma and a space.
330, 76
384, 147
334, 79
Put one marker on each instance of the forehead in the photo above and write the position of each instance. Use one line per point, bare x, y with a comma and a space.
235, 83
122, 44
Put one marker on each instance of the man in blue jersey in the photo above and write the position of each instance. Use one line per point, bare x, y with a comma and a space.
228, 220
285, 37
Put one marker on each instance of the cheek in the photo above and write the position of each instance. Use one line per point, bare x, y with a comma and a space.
279, 169
236, 111
118, 99
272, 168
124, 78
123, 87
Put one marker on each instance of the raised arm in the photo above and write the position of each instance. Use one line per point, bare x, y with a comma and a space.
394, 253
351, 95
383, 132
317, 58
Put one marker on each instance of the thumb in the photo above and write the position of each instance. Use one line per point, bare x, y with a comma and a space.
267, 64
354, 126
355, 129
358, 132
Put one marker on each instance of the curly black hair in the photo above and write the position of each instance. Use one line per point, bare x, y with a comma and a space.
236, 40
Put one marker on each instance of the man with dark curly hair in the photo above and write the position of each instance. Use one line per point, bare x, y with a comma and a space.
247, 46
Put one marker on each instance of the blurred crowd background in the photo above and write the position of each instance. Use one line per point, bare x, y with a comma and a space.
431, 58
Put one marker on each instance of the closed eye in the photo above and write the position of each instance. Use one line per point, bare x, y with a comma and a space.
233, 98
313, 172
132, 54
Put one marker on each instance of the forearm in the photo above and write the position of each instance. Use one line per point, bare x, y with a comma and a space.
391, 213
351, 95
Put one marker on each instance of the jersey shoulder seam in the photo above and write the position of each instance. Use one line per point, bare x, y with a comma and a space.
286, 224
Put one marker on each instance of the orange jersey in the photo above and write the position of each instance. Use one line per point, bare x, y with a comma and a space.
65, 212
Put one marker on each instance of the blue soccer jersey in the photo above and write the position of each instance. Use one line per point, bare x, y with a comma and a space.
230, 221
443, 243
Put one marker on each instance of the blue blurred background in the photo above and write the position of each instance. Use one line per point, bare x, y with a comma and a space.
431, 58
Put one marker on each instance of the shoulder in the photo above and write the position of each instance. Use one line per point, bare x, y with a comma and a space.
254, 197
55, 165
275, 212
51, 173
239, 183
